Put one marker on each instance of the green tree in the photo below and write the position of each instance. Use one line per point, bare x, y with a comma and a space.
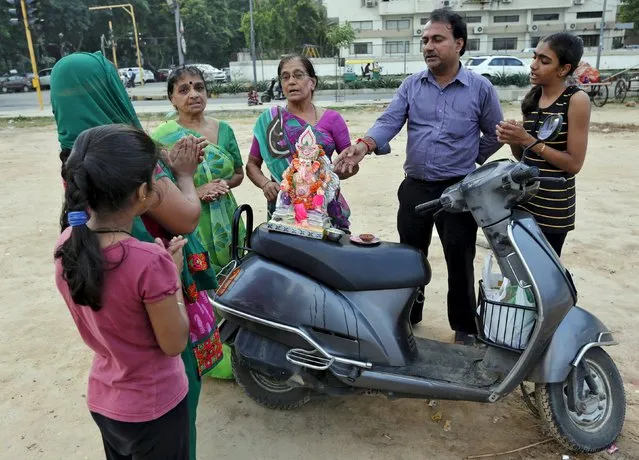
212, 32
207, 31
13, 44
629, 12
340, 36
238, 42
285, 26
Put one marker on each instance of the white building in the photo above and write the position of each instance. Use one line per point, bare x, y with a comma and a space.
392, 28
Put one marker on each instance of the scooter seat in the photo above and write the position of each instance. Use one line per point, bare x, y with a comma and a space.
343, 265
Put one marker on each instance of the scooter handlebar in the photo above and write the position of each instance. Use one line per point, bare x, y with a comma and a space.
425, 208
521, 176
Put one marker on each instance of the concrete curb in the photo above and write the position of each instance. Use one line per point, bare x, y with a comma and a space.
229, 109
155, 97
506, 93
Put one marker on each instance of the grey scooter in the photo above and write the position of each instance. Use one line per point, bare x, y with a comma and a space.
306, 316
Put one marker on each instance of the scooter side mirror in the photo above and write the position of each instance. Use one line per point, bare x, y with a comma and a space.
550, 128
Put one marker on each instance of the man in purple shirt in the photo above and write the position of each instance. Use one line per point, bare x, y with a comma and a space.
447, 109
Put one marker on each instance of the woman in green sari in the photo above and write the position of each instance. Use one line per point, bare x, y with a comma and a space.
278, 128
86, 92
221, 169
219, 172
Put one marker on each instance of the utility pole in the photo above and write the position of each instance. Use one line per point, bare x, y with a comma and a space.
262, 59
601, 33
253, 44
27, 30
175, 7
112, 38
129, 9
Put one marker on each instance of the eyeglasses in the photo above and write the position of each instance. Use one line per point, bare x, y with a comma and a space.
297, 75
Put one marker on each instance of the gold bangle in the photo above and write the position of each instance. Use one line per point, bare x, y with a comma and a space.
543, 147
264, 185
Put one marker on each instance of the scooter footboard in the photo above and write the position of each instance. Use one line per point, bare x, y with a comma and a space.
578, 332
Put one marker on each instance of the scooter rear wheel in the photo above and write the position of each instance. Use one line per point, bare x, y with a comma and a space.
602, 419
265, 390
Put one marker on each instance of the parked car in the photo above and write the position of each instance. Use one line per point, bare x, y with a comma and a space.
148, 75
45, 78
211, 74
16, 83
491, 66
163, 74
227, 72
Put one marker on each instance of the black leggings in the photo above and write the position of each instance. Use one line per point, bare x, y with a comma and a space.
556, 240
165, 438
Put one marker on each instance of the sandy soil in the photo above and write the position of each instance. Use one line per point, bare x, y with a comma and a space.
44, 363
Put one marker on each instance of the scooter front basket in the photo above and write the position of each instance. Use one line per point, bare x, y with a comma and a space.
504, 324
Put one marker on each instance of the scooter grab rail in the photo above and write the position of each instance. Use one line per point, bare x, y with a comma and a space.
235, 231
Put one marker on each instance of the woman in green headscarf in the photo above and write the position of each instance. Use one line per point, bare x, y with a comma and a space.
86, 92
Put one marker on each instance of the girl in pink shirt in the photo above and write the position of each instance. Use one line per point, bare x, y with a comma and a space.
125, 297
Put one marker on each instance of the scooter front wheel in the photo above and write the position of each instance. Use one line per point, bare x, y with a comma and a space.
598, 419
266, 390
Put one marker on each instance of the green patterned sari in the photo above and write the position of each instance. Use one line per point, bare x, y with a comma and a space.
220, 162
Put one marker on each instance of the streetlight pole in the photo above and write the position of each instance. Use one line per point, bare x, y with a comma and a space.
112, 37
34, 64
129, 9
262, 58
61, 37
253, 44
601, 33
175, 7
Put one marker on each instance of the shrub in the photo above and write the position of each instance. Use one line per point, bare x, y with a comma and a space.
386, 82
502, 79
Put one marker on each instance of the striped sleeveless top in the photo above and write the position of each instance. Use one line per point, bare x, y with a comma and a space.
554, 205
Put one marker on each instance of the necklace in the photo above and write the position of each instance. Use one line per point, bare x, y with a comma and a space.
314, 112
111, 230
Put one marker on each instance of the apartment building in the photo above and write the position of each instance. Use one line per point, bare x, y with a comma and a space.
392, 28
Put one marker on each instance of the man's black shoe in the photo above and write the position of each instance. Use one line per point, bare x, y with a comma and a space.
463, 338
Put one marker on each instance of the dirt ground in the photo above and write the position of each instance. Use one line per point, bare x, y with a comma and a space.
44, 363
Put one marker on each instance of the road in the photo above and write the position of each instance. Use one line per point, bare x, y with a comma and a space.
16, 102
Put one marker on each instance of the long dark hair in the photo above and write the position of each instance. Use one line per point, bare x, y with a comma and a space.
106, 167
569, 50
64, 155
306, 62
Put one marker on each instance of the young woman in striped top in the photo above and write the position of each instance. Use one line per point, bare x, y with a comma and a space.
555, 59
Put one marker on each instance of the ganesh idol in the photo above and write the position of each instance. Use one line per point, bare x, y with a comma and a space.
308, 185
